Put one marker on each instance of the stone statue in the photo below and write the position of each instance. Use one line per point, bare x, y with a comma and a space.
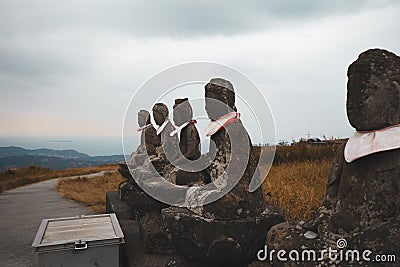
189, 142
141, 205
189, 145
149, 140
169, 144
144, 207
239, 202
138, 201
218, 233
362, 201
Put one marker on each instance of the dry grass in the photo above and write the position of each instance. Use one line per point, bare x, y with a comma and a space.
90, 191
298, 187
303, 152
296, 182
14, 178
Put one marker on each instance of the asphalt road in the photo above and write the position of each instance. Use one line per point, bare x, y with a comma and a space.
21, 212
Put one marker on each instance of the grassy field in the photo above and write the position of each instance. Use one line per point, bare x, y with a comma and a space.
14, 178
296, 182
298, 187
303, 152
90, 191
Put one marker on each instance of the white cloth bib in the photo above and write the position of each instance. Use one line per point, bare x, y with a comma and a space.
143, 127
162, 126
221, 122
181, 127
362, 144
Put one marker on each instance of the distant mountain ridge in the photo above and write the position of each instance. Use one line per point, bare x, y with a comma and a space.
16, 157
19, 151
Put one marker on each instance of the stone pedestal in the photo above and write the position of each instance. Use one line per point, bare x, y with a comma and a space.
181, 177
124, 188
140, 203
218, 242
123, 169
153, 236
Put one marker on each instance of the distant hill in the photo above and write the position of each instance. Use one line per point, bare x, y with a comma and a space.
16, 157
19, 151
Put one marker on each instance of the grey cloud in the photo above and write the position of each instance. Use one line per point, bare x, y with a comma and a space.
175, 18
32, 63
28, 28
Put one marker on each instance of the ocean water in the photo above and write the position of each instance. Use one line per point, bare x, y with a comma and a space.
93, 146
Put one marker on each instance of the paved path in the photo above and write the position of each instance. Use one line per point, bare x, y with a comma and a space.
22, 210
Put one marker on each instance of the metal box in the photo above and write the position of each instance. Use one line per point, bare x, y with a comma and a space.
79, 241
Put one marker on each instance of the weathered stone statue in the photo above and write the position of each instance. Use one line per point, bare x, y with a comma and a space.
238, 203
189, 142
169, 144
138, 201
218, 233
141, 205
189, 146
362, 201
149, 141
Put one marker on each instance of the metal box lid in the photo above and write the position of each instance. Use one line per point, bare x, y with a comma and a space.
78, 233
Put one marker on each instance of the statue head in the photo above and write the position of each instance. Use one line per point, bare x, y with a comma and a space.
220, 98
160, 113
182, 111
143, 117
373, 90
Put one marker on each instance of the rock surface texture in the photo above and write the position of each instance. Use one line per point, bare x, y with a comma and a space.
373, 98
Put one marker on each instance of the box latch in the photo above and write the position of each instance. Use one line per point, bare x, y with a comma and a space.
79, 245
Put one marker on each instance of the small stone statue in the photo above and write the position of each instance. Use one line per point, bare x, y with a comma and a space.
164, 149
144, 207
169, 144
149, 140
189, 145
362, 201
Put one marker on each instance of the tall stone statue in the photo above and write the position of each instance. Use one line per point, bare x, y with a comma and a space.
218, 233
189, 142
234, 160
189, 146
362, 201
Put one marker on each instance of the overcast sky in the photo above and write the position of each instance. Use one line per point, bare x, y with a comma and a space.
69, 68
